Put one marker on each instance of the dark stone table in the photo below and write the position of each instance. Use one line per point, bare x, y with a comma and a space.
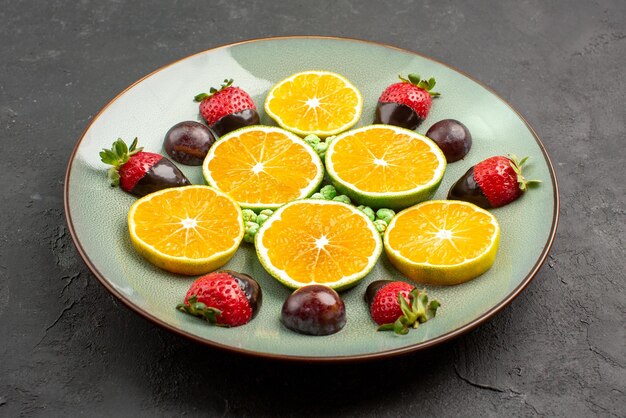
68, 348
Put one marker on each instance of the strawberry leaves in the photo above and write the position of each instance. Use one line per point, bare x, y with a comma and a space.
200, 310
202, 96
516, 165
119, 152
413, 79
419, 311
117, 156
423, 84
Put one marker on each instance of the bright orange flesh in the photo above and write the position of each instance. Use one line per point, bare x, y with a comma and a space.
382, 160
319, 243
442, 234
315, 102
191, 222
262, 167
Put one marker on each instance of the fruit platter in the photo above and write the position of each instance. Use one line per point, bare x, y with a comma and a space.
312, 198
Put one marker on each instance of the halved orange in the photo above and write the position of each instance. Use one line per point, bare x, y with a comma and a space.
315, 102
385, 166
263, 167
442, 242
187, 230
318, 242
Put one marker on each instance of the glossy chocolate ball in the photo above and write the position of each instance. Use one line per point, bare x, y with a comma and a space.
452, 137
188, 142
314, 310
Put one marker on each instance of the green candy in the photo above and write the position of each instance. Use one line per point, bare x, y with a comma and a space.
367, 211
321, 149
328, 192
317, 196
249, 215
318, 145
370, 213
250, 230
342, 198
380, 225
312, 140
385, 215
263, 216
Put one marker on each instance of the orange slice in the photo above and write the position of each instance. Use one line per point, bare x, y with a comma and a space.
442, 242
315, 102
385, 166
187, 230
263, 167
318, 242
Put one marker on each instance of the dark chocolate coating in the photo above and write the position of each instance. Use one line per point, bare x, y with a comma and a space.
164, 174
250, 288
452, 137
397, 114
188, 142
468, 190
314, 310
373, 288
234, 121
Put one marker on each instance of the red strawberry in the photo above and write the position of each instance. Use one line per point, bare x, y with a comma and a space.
139, 172
227, 109
406, 104
397, 305
492, 183
224, 298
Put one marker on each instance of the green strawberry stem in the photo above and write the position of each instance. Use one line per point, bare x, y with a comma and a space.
424, 84
418, 312
117, 156
200, 97
517, 165
200, 310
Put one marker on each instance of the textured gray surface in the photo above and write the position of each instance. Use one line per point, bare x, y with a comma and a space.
67, 348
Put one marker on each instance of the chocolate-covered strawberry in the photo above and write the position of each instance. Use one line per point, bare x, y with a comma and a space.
406, 104
225, 298
397, 306
139, 172
492, 183
227, 108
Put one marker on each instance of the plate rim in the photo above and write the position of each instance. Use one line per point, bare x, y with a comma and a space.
320, 359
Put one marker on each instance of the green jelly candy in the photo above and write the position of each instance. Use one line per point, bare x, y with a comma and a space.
249, 215
312, 140
342, 198
250, 230
369, 212
380, 225
328, 191
263, 216
385, 215
321, 149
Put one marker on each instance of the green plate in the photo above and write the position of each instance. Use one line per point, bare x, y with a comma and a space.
96, 213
